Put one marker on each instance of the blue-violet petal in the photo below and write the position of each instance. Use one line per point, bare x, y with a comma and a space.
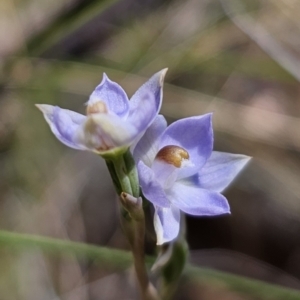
64, 124
166, 224
147, 147
194, 200
220, 170
113, 95
195, 135
151, 188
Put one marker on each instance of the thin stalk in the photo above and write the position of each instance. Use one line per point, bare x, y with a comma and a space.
124, 174
132, 173
173, 260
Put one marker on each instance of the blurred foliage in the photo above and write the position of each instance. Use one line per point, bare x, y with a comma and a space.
239, 59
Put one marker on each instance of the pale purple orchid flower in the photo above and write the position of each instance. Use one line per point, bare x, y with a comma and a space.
179, 171
113, 123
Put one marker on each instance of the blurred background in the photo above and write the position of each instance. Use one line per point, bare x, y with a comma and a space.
238, 59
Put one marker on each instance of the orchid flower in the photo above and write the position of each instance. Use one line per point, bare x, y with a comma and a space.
112, 123
178, 171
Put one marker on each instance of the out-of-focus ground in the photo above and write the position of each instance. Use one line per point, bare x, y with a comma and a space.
238, 59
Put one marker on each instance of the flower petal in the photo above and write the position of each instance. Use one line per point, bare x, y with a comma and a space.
166, 174
154, 87
151, 188
220, 170
104, 132
166, 224
195, 135
112, 95
142, 117
64, 124
193, 200
147, 147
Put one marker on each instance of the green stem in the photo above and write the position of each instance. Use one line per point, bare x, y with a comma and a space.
113, 176
171, 271
124, 175
132, 173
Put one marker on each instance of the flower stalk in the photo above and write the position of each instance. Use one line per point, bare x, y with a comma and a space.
124, 175
172, 270
171, 262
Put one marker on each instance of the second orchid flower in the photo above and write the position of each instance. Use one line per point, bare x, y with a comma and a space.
178, 171
112, 123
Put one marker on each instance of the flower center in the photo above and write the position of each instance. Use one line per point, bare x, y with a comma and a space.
98, 107
173, 155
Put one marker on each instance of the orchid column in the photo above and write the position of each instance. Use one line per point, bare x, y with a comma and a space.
112, 124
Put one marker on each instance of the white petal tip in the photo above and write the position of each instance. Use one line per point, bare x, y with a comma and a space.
248, 158
160, 240
104, 79
39, 106
162, 75
245, 159
105, 76
44, 108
